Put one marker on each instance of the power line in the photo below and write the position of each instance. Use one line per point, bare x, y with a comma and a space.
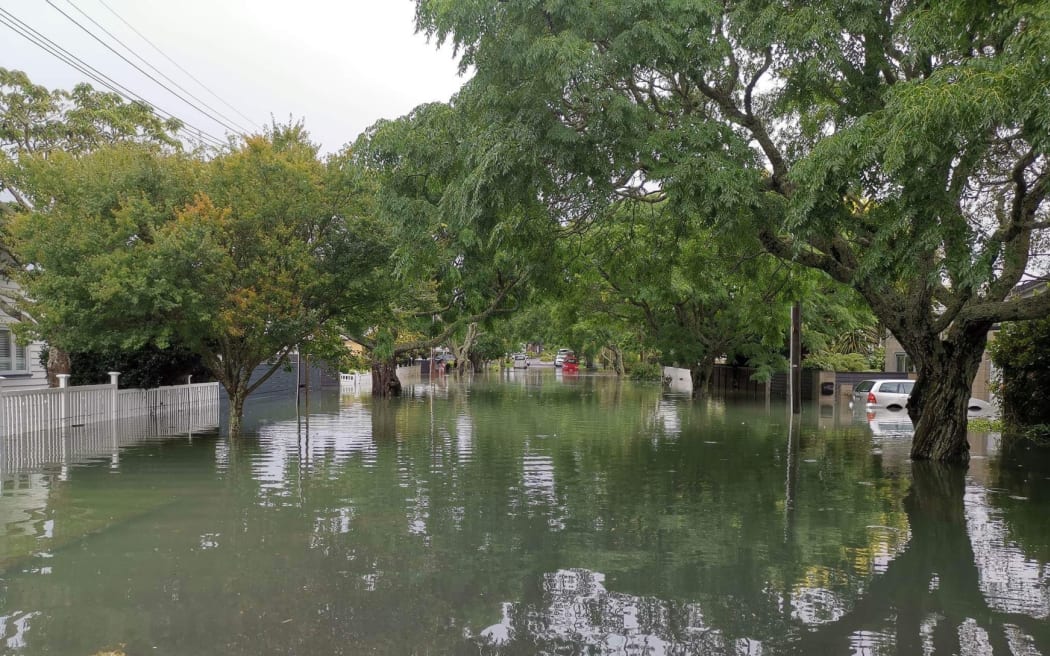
176, 64
140, 70
42, 42
142, 59
27, 32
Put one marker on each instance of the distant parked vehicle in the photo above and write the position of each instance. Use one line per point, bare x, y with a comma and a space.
521, 361
893, 395
559, 359
571, 365
882, 393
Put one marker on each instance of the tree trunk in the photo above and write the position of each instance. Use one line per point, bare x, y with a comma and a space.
57, 363
385, 383
938, 401
461, 350
700, 374
617, 354
237, 396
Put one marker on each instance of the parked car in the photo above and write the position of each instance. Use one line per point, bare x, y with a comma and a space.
559, 359
893, 395
521, 361
882, 393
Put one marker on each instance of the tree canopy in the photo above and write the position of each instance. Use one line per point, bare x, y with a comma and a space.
241, 258
899, 147
37, 122
464, 232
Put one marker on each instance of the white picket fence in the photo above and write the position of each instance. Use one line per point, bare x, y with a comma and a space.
355, 381
65, 445
349, 382
32, 411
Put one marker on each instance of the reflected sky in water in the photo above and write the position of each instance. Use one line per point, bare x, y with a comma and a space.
529, 513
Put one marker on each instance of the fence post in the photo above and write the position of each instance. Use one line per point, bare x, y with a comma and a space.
113, 377
63, 384
114, 457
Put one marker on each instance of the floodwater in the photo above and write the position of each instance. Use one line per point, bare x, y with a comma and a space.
529, 513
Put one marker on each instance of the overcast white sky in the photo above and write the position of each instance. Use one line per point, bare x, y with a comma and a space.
338, 65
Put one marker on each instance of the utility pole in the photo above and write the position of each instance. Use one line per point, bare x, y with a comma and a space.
795, 379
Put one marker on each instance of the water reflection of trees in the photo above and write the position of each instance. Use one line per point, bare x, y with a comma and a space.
930, 594
929, 599
576, 613
847, 575
591, 523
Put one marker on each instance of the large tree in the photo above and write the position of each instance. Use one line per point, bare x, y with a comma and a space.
701, 298
458, 258
36, 122
900, 147
242, 258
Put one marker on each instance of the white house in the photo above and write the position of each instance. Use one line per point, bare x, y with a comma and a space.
20, 365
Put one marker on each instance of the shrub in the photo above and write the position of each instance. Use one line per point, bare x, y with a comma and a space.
647, 371
1022, 352
838, 361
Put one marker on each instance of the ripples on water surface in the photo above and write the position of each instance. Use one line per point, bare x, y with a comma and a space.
529, 514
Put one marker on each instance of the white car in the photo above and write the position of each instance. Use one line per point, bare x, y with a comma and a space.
893, 395
882, 393
559, 359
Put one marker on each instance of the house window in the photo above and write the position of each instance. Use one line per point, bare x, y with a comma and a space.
12, 355
904, 363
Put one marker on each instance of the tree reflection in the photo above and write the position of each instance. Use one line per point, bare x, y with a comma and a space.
931, 591
526, 520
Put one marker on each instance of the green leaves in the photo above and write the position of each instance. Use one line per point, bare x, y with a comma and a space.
238, 258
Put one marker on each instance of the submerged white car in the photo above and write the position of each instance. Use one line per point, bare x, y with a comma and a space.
882, 393
893, 395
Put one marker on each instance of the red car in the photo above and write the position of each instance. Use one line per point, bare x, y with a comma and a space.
571, 364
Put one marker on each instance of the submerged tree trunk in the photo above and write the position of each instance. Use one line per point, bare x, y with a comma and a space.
235, 376
461, 350
938, 401
237, 397
617, 360
700, 374
385, 383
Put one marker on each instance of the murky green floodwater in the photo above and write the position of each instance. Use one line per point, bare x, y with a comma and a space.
535, 515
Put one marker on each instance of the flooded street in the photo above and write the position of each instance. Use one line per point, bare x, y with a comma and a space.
528, 513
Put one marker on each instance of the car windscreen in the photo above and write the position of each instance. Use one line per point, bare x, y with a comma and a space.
864, 386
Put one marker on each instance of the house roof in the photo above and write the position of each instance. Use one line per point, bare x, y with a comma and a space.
1029, 287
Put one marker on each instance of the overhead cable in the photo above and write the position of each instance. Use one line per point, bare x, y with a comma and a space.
27, 32
240, 128
176, 64
140, 70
